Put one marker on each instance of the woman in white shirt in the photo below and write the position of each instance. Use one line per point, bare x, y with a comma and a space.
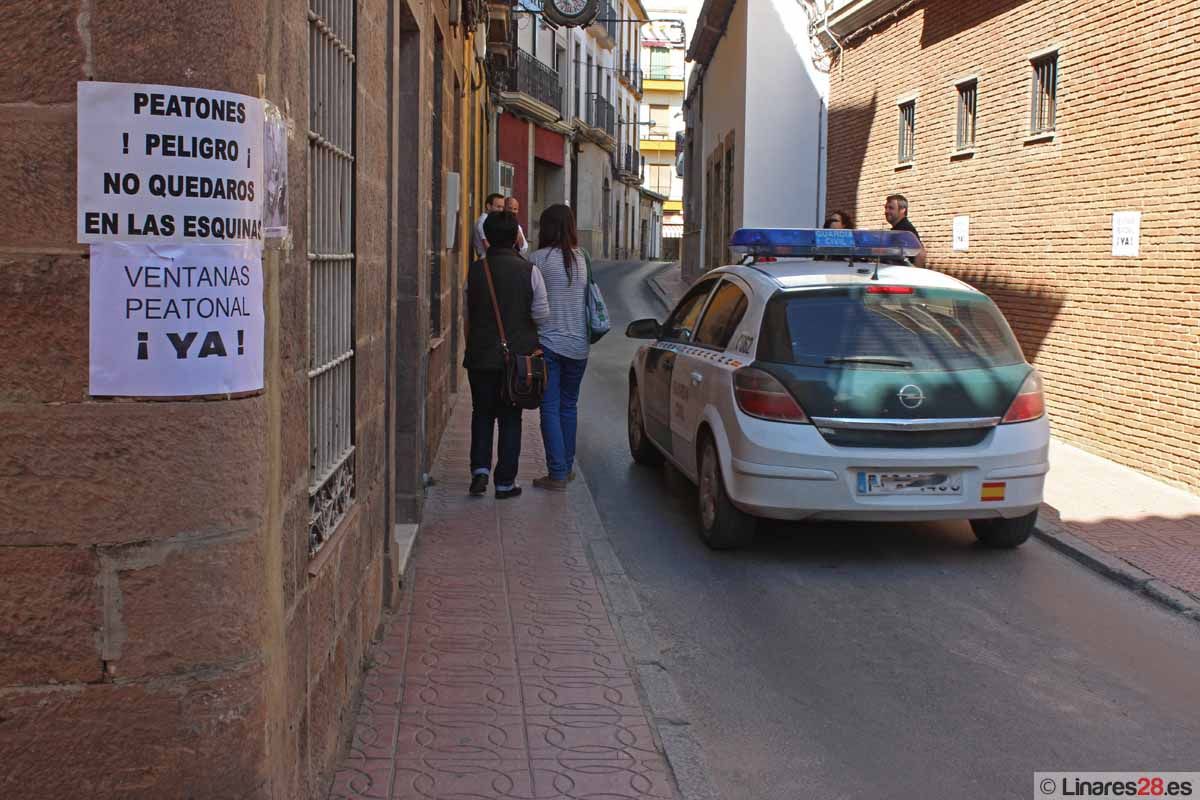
564, 339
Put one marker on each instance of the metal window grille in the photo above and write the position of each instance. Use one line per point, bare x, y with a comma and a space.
435, 250
967, 94
331, 167
1044, 94
908, 131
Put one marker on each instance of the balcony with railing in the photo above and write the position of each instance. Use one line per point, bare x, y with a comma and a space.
602, 117
528, 76
604, 27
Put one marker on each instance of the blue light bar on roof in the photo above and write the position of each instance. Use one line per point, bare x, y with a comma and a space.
807, 242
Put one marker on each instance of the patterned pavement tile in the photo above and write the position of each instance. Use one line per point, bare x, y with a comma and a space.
363, 780
432, 735
450, 696
448, 779
579, 777
620, 740
564, 661
481, 663
580, 696
375, 732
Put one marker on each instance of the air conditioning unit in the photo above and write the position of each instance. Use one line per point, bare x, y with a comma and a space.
508, 177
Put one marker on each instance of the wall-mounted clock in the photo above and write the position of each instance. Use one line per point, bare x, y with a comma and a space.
571, 13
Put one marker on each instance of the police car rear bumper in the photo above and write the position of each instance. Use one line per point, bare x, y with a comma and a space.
790, 472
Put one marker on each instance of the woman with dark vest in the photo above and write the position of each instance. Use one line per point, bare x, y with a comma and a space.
521, 298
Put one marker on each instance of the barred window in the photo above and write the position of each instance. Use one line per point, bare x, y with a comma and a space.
331, 265
1044, 94
967, 94
908, 131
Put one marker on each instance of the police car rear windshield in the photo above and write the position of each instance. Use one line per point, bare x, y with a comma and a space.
878, 327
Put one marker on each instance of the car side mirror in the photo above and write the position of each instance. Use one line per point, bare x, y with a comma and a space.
644, 329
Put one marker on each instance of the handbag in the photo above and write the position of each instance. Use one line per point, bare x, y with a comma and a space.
525, 376
597, 310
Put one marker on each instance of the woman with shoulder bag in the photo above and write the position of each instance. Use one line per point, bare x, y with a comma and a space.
565, 339
504, 302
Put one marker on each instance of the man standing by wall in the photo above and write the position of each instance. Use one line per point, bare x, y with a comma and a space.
495, 202
896, 213
520, 300
513, 206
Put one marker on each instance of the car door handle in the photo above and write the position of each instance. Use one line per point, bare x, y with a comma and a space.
697, 379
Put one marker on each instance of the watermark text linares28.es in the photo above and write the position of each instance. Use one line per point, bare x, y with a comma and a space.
1116, 784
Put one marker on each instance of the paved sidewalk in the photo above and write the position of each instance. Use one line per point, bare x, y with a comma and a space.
1116, 520
504, 675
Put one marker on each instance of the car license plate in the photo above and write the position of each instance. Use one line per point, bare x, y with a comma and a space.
937, 483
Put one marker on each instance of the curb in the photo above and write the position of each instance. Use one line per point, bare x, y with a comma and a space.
1116, 569
666, 712
660, 294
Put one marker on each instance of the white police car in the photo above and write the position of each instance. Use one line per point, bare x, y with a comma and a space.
840, 389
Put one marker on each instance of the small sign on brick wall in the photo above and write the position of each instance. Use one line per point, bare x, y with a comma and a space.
1126, 233
962, 233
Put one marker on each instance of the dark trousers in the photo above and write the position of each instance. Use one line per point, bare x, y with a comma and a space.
487, 409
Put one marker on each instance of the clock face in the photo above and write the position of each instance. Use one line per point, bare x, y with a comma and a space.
569, 8
570, 13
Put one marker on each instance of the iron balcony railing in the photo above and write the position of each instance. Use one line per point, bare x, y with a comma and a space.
609, 17
664, 72
603, 116
529, 76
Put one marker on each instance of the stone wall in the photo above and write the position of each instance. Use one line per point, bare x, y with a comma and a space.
164, 630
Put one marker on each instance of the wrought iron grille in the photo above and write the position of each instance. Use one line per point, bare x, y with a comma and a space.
332, 83
1044, 104
908, 131
967, 94
603, 116
539, 81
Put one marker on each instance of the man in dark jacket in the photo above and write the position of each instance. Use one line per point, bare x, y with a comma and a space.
520, 294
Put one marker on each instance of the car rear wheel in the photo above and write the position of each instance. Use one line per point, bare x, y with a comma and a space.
640, 447
722, 525
1004, 533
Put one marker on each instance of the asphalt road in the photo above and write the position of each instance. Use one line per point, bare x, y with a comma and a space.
882, 661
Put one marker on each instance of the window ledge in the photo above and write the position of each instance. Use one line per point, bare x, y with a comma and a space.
905, 165
962, 155
1037, 138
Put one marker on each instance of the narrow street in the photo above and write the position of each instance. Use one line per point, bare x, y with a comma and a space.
897, 661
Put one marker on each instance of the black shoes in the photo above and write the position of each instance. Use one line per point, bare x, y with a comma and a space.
479, 485
508, 494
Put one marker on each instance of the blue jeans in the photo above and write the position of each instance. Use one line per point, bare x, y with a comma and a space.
560, 411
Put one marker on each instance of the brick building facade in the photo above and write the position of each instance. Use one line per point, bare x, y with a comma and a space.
1117, 338
175, 621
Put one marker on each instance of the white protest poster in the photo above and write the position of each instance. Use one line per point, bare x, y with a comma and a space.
962, 233
161, 164
1126, 233
171, 321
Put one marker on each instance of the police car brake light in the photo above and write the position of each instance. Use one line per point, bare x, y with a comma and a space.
809, 242
873, 289
1030, 402
761, 395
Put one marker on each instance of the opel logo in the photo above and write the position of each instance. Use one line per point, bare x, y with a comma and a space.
911, 396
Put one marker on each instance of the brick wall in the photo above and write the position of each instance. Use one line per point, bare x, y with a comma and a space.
1118, 339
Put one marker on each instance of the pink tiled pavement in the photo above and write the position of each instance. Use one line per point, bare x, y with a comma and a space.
1153, 526
503, 676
